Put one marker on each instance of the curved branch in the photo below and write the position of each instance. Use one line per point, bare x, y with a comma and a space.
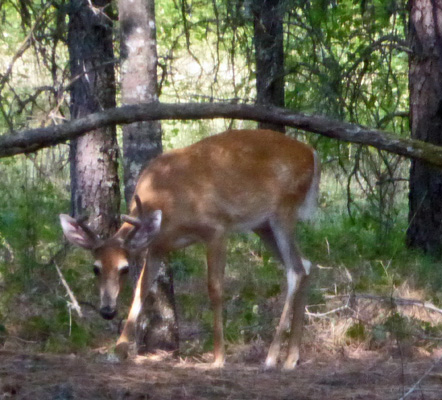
35, 139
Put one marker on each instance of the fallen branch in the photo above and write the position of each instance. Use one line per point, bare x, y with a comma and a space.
324, 314
35, 139
395, 300
74, 303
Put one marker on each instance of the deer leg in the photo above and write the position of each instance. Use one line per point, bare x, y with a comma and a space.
147, 275
297, 324
290, 256
216, 261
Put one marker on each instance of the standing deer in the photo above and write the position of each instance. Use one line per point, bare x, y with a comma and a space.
236, 181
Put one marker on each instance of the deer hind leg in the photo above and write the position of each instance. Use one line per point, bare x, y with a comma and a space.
297, 324
216, 261
147, 275
280, 240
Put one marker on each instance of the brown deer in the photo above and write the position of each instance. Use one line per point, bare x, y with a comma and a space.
236, 181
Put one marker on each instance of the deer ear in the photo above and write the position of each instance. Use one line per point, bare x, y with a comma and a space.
149, 229
75, 233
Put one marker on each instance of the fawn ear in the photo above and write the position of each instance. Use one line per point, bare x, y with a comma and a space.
144, 231
75, 233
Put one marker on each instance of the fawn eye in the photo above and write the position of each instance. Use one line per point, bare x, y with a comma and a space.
124, 270
96, 270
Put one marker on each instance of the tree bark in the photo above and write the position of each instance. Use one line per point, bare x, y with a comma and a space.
269, 55
425, 80
93, 157
29, 141
141, 140
157, 326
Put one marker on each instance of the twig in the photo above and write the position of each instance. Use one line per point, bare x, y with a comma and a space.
396, 300
74, 303
342, 308
427, 372
320, 315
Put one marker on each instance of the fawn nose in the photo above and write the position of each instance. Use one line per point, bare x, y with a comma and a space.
108, 312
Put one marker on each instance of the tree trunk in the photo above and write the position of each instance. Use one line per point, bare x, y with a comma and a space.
425, 80
141, 140
269, 54
93, 157
157, 324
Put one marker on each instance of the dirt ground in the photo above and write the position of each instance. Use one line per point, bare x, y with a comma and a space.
360, 375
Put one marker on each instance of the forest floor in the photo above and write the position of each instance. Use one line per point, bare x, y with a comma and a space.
356, 375
334, 365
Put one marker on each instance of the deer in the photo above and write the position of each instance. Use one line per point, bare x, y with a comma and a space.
258, 181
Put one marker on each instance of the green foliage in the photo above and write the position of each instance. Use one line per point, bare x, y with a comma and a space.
356, 332
245, 323
347, 61
36, 328
398, 325
188, 262
404, 330
431, 330
190, 305
56, 333
29, 206
427, 272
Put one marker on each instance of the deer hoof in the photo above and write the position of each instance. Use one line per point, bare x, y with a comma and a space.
289, 365
122, 350
270, 364
218, 364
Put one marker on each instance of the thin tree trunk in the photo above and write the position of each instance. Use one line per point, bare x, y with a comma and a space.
269, 54
94, 179
157, 326
425, 80
141, 140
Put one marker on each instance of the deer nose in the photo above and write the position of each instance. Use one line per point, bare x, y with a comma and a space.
107, 312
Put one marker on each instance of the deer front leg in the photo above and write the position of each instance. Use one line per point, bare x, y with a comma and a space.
128, 333
216, 260
144, 282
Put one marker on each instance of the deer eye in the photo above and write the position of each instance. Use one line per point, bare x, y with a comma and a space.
96, 270
124, 270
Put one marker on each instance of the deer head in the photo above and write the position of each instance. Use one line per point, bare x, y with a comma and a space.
112, 256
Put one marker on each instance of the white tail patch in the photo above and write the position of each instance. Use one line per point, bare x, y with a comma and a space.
308, 207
